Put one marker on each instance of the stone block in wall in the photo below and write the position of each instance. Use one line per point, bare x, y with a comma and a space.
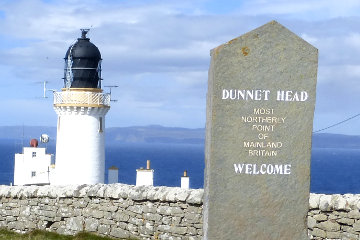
48, 214
178, 230
167, 210
341, 214
17, 225
177, 194
122, 203
191, 231
348, 229
356, 226
136, 221
355, 214
97, 190
9, 219
133, 229
325, 203
147, 229
91, 224
330, 226
136, 209
75, 224
107, 215
116, 191
81, 203
333, 235
104, 229
119, 233
121, 216
194, 238
152, 217
107, 221
352, 201
164, 228
311, 222
320, 217
175, 221
166, 220
149, 208
338, 202
42, 225
65, 211
167, 236
349, 236
333, 216
316, 232
96, 213
65, 231
346, 221
138, 193
196, 196
108, 207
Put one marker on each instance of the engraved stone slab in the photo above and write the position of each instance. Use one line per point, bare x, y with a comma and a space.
260, 107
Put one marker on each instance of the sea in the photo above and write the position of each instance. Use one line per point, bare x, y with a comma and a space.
333, 170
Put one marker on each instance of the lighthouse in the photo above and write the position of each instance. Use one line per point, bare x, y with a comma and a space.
81, 107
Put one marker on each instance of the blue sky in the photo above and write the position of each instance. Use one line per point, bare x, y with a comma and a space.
157, 52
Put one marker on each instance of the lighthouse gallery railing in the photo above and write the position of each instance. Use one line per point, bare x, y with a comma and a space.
81, 98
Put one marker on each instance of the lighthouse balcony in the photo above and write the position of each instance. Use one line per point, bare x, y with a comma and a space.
83, 98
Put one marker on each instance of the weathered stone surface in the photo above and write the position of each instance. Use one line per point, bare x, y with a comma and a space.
91, 224
354, 214
356, 226
333, 235
320, 217
119, 233
69, 215
318, 233
314, 201
75, 223
253, 127
338, 202
325, 203
330, 226
311, 222
346, 221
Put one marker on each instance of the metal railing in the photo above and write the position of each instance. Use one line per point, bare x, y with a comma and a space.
82, 98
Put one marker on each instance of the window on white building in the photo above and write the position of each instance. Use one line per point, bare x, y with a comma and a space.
33, 154
33, 174
100, 124
58, 126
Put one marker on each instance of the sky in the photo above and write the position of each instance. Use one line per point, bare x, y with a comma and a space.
157, 53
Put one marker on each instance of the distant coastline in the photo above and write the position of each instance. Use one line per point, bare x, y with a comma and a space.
161, 134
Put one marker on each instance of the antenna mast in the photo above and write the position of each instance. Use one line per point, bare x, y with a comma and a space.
110, 87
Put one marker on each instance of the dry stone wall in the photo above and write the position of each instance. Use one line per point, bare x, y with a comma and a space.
122, 211
334, 216
115, 210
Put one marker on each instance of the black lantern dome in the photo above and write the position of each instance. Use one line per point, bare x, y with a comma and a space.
82, 64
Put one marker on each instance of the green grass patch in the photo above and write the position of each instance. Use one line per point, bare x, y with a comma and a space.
44, 235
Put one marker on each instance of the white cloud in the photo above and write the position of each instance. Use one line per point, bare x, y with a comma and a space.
158, 52
310, 39
305, 9
353, 40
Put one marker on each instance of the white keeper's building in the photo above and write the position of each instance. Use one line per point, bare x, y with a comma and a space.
33, 166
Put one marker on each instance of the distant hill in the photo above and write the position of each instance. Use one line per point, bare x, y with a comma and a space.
160, 134
26, 132
155, 133
326, 140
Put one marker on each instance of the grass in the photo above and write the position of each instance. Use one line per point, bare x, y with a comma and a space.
44, 235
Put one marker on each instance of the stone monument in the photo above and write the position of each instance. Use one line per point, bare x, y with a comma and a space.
260, 107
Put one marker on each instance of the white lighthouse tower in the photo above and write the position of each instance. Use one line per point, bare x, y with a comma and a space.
81, 107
